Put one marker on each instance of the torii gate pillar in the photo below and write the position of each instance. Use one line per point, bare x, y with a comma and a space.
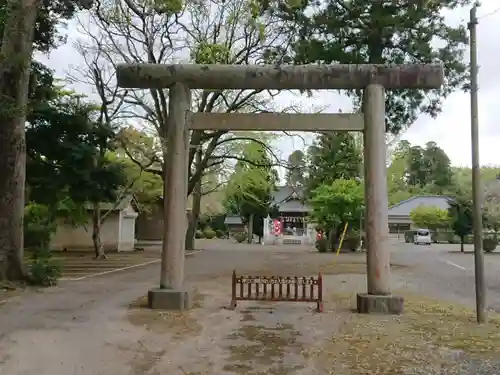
373, 79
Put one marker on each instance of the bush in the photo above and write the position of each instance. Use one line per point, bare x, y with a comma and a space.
199, 234
410, 235
39, 226
489, 244
209, 233
351, 241
322, 245
240, 237
219, 233
44, 270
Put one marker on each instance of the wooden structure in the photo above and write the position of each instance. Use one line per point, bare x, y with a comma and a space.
277, 289
373, 79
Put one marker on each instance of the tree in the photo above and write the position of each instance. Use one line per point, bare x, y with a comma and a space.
460, 212
492, 204
295, 174
336, 204
332, 156
396, 173
462, 177
136, 144
68, 148
218, 32
381, 32
250, 188
415, 168
438, 168
429, 217
21, 21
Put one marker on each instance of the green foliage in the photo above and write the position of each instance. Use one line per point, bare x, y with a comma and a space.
460, 212
430, 217
39, 226
44, 270
382, 32
216, 222
351, 241
338, 203
209, 233
410, 235
240, 237
250, 187
321, 245
490, 244
207, 53
462, 177
51, 14
136, 150
417, 171
199, 234
167, 7
429, 167
333, 156
219, 233
296, 172
492, 204
67, 154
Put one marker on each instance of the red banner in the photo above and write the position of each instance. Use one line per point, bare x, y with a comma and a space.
277, 227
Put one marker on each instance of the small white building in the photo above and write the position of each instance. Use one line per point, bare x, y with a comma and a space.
117, 231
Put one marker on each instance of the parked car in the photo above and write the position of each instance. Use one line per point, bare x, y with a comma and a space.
422, 237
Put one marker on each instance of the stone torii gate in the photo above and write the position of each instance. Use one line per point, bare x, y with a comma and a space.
373, 79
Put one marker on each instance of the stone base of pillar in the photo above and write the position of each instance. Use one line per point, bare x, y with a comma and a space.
170, 299
379, 304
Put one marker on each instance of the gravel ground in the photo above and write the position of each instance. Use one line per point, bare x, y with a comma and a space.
97, 325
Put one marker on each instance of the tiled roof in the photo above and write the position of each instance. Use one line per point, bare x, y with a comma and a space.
232, 220
404, 208
289, 199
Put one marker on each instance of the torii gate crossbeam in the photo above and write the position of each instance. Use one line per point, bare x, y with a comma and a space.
373, 79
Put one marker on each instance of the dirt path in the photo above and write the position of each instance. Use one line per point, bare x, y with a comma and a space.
97, 326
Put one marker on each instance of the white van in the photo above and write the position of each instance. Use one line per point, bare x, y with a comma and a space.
422, 237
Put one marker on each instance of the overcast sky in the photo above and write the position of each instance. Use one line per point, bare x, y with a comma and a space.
451, 130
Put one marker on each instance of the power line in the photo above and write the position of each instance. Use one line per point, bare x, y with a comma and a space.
489, 14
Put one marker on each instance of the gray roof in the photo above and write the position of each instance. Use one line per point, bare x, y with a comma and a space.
233, 220
404, 208
117, 206
289, 199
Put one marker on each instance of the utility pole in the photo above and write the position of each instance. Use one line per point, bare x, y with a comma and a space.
477, 193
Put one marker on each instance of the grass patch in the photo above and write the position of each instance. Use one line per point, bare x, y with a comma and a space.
428, 336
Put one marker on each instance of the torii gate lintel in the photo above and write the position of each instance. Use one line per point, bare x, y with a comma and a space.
373, 79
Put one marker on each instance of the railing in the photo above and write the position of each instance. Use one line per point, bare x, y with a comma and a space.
278, 289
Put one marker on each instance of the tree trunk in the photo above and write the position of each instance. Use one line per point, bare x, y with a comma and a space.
195, 212
332, 239
462, 239
250, 229
96, 232
193, 222
15, 60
